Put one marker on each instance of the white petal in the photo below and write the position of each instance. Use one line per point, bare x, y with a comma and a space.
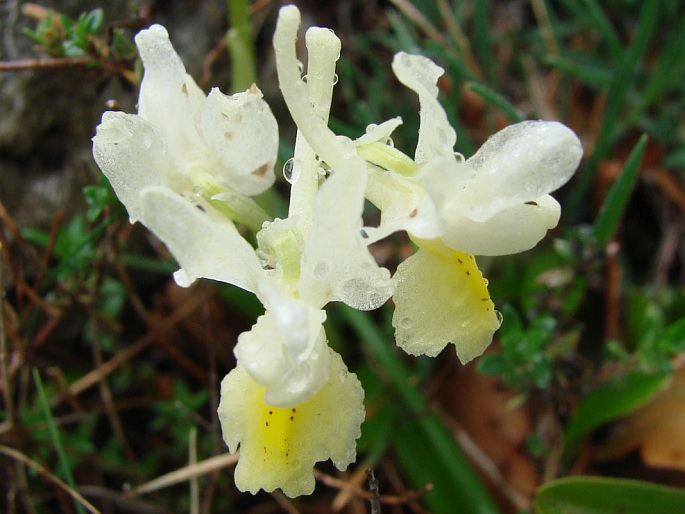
203, 242
404, 205
132, 154
242, 133
420, 74
517, 165
336, 263
169, 98
442, 298
286, 351
279, 447
513, 230
379, 133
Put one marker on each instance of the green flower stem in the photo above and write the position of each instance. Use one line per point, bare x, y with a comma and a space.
474, 497
323, 48
240, 45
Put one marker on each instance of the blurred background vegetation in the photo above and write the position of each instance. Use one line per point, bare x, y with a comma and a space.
110, 372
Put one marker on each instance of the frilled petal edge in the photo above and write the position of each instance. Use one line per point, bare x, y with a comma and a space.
442, 298
279, 447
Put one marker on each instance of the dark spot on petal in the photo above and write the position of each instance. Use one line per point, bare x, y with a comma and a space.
291, 418
413, 213
228, 135
532, 203
293, 410
184, 89
468, 272
262, 170
460, 261
200, 208
267, 423
364, 234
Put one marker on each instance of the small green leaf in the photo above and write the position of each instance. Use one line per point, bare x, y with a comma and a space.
616, 201
616, 399
93, 20
593, 495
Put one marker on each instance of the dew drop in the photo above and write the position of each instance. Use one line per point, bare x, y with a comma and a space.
304, 78
370, 127
500, 318
300, 66
335, 79
337, 57
486, 282
390, 143
291, 170
459, 157
465, 324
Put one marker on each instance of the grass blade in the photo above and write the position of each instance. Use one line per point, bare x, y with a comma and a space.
467, 491
54, 435
240, 46
497, 100
615, 203
621, 83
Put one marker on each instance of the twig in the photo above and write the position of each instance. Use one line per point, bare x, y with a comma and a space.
409, 496
186, 473
9, 452
35, 64
375, 499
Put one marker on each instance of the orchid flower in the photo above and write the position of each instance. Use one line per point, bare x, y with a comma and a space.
185, 166
497, 202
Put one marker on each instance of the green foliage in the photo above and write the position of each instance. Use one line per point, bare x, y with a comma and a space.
618, 397
596, 495
63, 37
527, 357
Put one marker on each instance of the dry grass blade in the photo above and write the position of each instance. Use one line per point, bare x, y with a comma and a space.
187, 473
13, 454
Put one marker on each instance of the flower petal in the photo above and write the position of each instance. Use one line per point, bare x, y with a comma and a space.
436, 135
243, 134
516, 165
404, 205
132, 154
203, 242
286, 351
279, 447
169, 98
336, 263
442, 297
513, 230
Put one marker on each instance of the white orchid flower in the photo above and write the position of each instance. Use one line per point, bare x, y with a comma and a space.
497, 202
189, 162
291, 402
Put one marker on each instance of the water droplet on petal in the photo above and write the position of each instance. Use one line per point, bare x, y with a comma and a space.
337, 57
370, 127
304, 78
291, 170
465, 324
390, 143
300, 66
459, 157
486, 282
500, 318
335, 79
